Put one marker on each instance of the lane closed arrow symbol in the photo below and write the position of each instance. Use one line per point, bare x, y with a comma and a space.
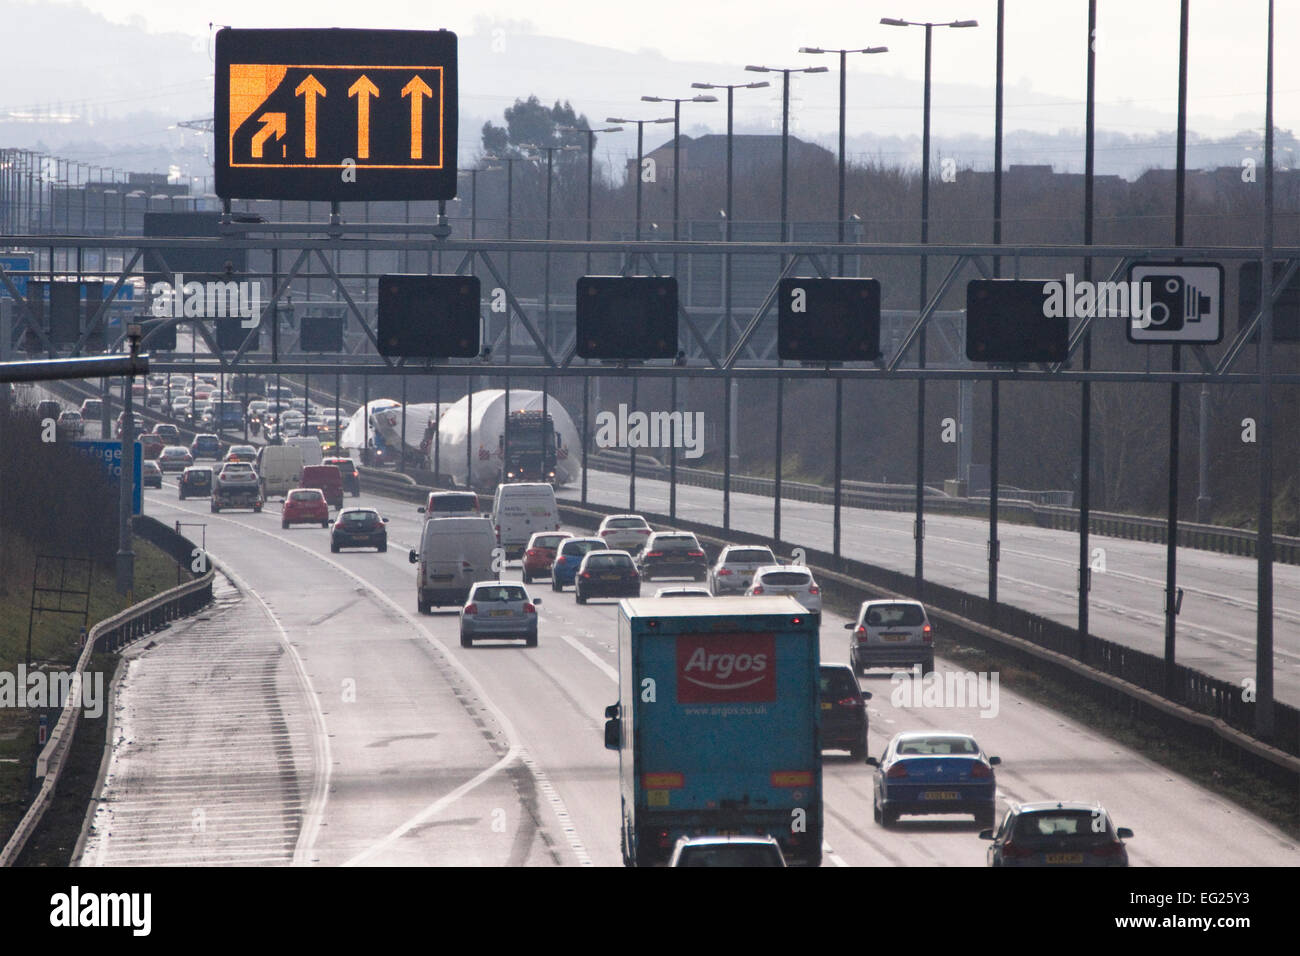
309, 88
363, 89
416, 90
272, 124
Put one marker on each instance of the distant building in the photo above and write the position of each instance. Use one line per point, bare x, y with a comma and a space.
706, 156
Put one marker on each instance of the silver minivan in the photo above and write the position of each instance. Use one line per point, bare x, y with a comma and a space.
454, 555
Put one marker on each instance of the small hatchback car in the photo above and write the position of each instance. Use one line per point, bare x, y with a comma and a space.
673, 554
195, 482
788, 579
305, 506
568, 557
498, 610
359, 528
844, 710
606, 574
1057, 834
539, 555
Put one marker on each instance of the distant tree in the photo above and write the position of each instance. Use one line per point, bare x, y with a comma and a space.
530, 123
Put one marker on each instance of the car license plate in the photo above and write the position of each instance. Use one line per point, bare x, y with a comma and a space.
894, 637
609, 577
826, 706
1064, 857
501, 613
941, 795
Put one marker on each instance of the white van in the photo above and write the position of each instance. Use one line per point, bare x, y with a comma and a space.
310, 446
519, 510
454, 555
280, 468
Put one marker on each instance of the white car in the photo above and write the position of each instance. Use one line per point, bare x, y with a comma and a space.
727, 851
624, 533
796, 581
684, 590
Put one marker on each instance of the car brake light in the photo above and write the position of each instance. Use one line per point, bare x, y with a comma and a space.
1011, 850
695, 554
529, 609
654, 554
532, 552
723, 571
466, 566
896, 771
604, 534
850, 702
926, 637
814, 590
758, 589
471, 609
1108, 849
981, 771
643, 530
586, 574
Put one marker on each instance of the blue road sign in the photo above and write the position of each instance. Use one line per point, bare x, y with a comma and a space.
15, 264
110, 453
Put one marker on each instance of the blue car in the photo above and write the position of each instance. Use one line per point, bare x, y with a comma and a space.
567, 559
932, 773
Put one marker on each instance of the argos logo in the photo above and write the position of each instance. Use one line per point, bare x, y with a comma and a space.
723, 668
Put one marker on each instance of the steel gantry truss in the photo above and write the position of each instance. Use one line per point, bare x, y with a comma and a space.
746, 358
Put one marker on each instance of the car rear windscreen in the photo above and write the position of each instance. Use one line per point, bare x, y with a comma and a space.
456, 503
678, 542
750, 556
607, 561
729, 856
938, 746
787, 578
1051, 827
896, 615
580, 547
500, 594
837, 683
625, 523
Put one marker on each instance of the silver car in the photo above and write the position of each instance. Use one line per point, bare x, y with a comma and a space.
891, 634
735, 567
624, 533
798, 582
497, 610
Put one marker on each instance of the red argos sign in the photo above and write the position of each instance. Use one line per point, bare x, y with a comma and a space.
726, 668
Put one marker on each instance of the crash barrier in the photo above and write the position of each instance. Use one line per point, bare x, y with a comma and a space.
109, 635
1027, 507
1211, 714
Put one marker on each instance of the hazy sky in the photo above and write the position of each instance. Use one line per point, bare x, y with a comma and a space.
1137, 40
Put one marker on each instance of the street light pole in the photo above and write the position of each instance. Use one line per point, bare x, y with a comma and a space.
843, 100
640, 129
591, 149
918, 530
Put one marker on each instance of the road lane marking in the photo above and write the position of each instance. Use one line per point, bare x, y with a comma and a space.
507, 728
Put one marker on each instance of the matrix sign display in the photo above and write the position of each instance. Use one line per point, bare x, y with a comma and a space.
348, 115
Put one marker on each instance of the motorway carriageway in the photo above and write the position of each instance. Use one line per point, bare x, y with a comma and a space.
394, 745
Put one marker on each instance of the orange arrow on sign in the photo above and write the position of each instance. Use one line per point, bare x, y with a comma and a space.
416, 89
272, 123
363, 89
310, 88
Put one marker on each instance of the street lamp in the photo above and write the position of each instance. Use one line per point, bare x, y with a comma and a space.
677, 138
591, 148
640, 130
843, 72
546, 293
785, 131
925, 238
729, 387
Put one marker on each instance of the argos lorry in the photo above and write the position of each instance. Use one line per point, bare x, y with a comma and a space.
717, 724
